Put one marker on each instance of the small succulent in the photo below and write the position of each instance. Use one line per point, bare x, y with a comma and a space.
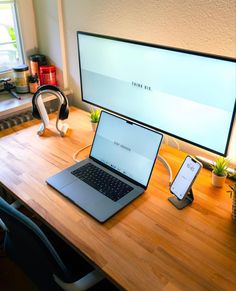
94, 115
220, 166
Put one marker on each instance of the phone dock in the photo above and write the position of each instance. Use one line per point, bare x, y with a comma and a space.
180, 204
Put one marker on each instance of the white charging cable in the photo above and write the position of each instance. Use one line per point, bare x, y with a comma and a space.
79, 151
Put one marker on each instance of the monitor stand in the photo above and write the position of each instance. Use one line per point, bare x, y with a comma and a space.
180, 204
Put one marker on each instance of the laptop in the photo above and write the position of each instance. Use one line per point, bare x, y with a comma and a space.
117, 171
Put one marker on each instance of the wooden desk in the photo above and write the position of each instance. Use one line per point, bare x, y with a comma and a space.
149, 245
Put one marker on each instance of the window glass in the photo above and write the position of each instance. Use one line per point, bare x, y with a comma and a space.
10, 48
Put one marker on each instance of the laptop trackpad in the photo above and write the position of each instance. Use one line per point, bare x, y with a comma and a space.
81, 193
89, 199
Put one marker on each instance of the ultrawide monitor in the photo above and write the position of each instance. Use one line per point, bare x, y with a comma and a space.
189, 95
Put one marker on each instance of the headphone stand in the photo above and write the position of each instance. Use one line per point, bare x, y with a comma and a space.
61, 127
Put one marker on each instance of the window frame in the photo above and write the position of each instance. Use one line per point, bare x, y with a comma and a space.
18, 41
25, 17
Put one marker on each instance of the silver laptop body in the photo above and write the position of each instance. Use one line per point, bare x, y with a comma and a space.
124, 149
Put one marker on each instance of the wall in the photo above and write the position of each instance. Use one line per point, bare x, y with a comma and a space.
28, 32
204, 25
48, 32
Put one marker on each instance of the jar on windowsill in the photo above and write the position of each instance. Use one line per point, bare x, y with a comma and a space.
33, 83
36, 61
21, 74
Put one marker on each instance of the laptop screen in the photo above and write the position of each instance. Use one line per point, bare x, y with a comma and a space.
127, 147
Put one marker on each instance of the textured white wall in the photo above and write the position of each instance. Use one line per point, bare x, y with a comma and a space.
28, 32
200, 25
48, 32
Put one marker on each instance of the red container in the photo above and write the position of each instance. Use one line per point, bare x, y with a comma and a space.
48, 75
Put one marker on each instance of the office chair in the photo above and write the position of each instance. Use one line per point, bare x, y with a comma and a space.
28, 246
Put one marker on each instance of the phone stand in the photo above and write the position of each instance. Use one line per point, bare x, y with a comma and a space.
180, 204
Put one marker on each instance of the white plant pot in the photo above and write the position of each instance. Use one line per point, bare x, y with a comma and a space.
217, 181
94, 126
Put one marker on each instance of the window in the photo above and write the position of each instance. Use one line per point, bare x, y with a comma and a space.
10, 44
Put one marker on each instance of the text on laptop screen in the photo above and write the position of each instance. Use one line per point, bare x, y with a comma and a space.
188, 95
126, 147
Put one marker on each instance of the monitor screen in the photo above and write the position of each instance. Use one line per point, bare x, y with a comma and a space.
189, 95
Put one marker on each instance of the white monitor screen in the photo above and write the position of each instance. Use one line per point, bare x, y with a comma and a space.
126, 147
188, 95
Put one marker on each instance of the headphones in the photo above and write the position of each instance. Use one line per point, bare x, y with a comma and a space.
64, 108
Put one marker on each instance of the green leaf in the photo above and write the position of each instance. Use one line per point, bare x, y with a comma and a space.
94, 115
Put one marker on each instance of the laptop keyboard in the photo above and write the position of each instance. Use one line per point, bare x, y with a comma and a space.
100, 180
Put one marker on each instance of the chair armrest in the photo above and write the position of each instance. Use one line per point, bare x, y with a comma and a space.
16, 204
84, 283
2, 225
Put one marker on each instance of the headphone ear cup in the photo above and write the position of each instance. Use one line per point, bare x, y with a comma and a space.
35, 112
64, 111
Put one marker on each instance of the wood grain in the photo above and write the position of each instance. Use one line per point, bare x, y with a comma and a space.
149, 245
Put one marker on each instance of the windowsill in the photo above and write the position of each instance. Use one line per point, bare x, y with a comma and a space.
11, 106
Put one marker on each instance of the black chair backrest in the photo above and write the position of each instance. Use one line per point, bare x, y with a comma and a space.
26, 244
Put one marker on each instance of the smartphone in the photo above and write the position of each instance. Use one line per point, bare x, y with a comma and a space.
185, 177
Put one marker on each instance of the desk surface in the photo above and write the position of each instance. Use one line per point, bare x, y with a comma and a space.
149, 245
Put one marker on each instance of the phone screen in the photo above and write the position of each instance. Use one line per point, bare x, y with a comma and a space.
185, 177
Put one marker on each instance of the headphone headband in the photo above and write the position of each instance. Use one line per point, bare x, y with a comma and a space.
64, 108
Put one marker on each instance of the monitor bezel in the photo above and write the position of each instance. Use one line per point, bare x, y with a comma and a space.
202, 54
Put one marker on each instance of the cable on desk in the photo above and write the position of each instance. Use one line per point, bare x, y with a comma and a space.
176, 142
167, 166
79, 151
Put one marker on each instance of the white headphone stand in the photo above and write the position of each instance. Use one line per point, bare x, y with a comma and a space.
61, 127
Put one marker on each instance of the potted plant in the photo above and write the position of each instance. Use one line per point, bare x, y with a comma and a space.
94, 116
233, 195
219, 171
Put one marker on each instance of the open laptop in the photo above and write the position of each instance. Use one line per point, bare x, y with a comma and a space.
117, 171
